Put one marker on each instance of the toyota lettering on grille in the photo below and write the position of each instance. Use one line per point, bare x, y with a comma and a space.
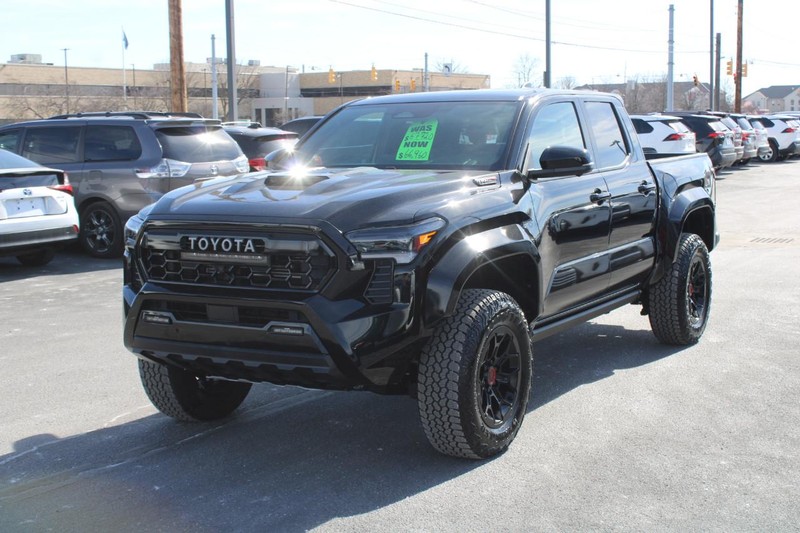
230, 249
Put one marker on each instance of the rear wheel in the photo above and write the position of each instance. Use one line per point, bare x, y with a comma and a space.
680, 302
101, 231
187, 397
770, 155
38, 258
475, 376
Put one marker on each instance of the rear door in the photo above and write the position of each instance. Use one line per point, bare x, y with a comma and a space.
632, 189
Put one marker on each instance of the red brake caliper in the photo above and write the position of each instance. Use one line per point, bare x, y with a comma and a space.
491, 376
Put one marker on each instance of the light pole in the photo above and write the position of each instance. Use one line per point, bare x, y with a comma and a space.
66, 79
133, 90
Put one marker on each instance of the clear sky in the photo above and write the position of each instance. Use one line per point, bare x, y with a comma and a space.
593, 41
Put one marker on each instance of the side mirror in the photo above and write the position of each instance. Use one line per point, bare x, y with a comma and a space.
562, 161
280, 159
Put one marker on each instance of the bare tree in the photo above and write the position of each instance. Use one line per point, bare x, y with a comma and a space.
567, 82
524, 69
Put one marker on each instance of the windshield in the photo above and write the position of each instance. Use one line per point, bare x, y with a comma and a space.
434, 135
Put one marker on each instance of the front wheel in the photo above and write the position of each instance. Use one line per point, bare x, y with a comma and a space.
475, 376
680, 301
187, 397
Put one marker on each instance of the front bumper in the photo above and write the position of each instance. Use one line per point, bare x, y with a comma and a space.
349, 328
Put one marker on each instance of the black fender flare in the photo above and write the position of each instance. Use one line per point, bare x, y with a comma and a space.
671, 224
452, 270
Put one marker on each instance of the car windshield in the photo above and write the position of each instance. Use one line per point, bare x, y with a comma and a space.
197, 144
434, 135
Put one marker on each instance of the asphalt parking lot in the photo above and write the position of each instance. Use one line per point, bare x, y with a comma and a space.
622, 433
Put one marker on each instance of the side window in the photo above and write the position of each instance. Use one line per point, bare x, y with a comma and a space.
52, 145
611, 146
642, 126
554, 125
9, 140
111, 143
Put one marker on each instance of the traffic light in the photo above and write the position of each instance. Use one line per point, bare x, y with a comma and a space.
374, 74
413, 84
730, 67
695, 80
744, 70
331, 76
397, 86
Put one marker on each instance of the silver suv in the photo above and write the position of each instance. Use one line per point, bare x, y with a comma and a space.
121, 162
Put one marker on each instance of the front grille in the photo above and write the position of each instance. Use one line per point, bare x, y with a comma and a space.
296, 262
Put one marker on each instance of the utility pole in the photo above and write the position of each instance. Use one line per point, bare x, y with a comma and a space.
66, 79
547, 66
711, 62
214, 93
233, 112
717, 89
670, 61
176, 67
737, 105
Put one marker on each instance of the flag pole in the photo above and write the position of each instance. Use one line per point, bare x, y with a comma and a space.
124, 77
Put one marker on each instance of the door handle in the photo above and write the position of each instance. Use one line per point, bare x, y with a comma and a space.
647, 188
599, 196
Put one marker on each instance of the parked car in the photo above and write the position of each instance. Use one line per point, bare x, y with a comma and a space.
37, 210
745, 150
121, 162
301, 125
663, 135
712, 136
257, 142
783, 133
753, 133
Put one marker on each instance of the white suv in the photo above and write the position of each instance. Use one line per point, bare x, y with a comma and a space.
784, 136
664, 135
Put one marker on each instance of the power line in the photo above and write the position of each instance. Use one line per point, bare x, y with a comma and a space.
506, 33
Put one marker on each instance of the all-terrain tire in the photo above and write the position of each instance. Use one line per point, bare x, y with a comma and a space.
475, 376
680, 302
189, 398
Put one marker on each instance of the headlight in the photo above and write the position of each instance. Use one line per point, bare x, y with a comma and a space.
401, 243
134, 224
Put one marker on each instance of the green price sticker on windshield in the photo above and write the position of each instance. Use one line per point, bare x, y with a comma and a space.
417, 142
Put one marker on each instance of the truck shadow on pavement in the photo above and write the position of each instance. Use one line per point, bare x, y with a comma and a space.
289, 460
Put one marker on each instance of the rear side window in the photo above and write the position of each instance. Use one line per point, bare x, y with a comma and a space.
642, 126
111, 143
612, 150
678, 126
9, 140
52, 145
197, 144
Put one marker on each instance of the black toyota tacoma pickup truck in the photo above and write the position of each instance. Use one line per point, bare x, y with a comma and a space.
418, 244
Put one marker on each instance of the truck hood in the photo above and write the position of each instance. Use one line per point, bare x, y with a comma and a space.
347, 198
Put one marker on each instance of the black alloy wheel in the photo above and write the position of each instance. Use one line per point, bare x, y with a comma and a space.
697, 291
499, 379
101, 231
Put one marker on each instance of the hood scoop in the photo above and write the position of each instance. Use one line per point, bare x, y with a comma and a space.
287, 182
